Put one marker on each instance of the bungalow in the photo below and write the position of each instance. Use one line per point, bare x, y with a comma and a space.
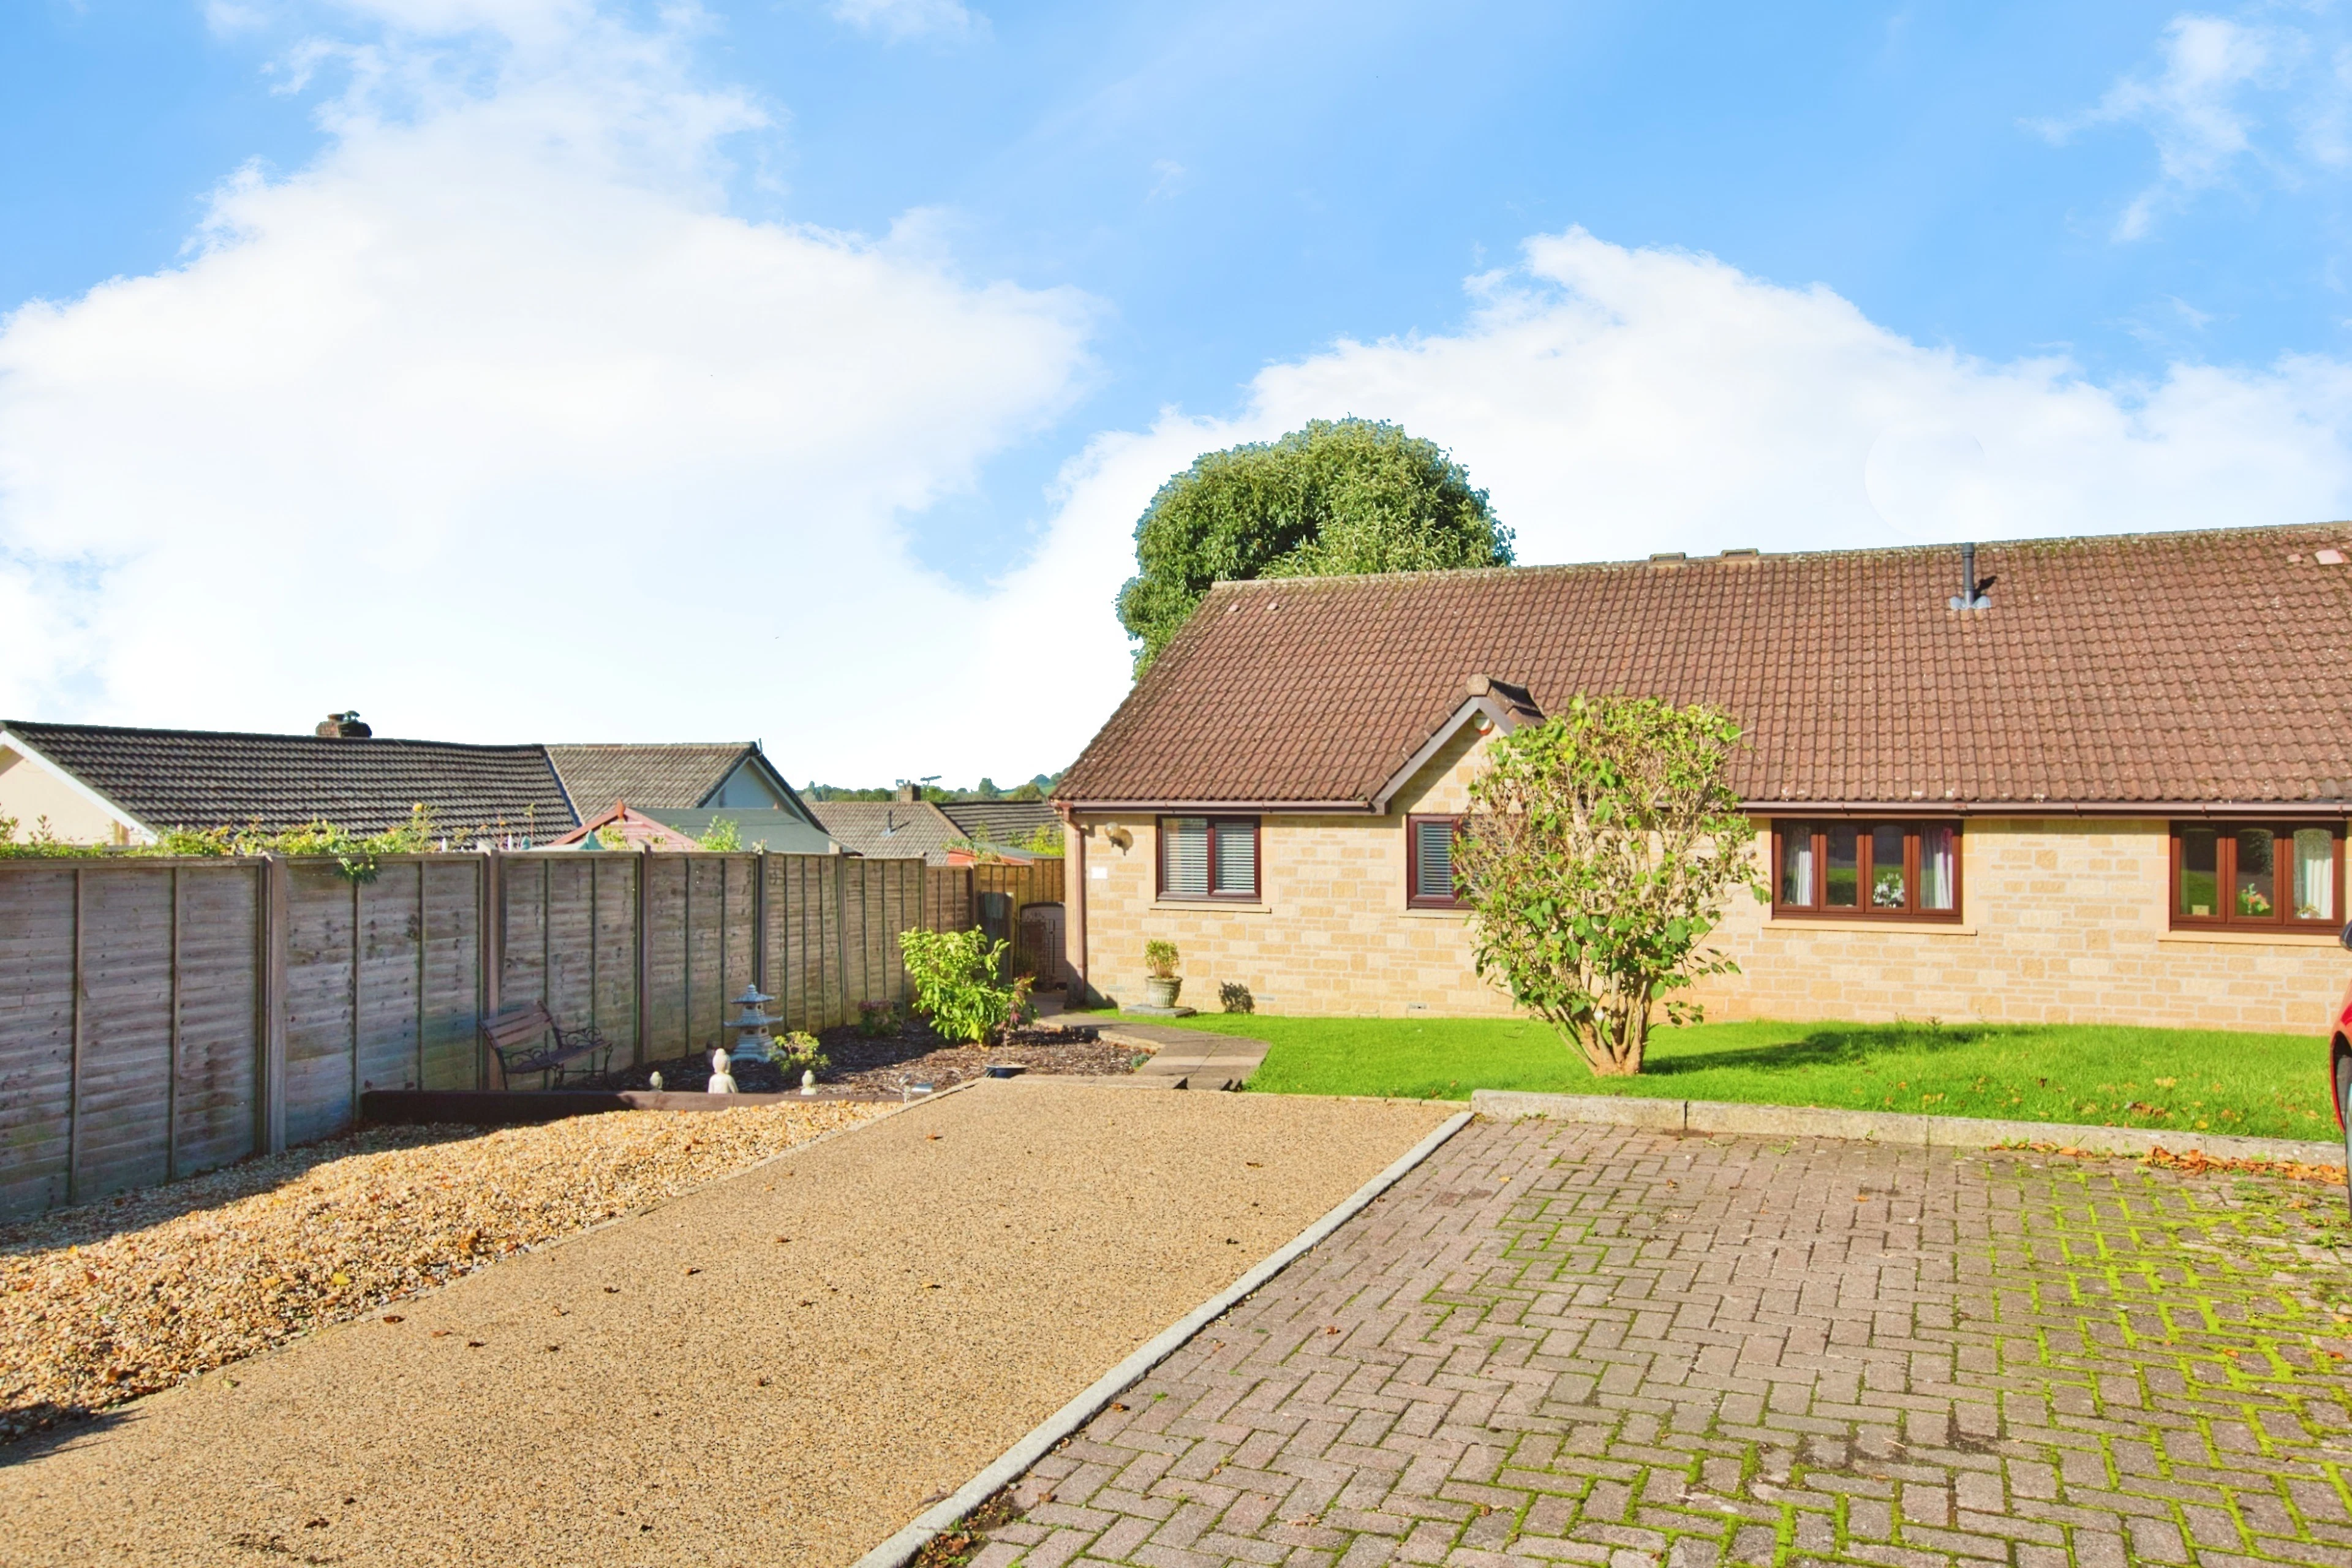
96, 784
2073, 780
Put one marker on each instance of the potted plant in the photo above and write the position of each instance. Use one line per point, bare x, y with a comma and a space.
1161, 982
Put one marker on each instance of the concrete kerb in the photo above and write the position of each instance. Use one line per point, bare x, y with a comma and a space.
1014, 1461
1885, 1126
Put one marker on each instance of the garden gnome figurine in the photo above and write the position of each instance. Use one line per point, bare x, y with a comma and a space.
721, 1080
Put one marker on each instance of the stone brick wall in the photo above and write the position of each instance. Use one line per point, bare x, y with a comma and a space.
2064, 922
1332, 934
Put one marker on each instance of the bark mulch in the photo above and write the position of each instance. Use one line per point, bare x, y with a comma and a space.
914, 1055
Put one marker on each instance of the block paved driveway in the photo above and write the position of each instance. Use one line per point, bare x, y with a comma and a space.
1581, 1344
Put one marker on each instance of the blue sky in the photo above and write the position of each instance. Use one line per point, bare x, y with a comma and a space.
1193, 211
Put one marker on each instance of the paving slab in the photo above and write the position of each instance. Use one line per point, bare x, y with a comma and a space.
1588, 1343
782, 1367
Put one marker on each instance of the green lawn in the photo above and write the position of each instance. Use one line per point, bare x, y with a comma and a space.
2266, 1085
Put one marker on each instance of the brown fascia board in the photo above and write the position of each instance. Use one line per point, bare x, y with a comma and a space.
1073, 808
1507, 708
2330, 810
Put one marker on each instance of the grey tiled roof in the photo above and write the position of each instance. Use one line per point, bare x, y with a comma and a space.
999, 821
201, 778
888, 829
682, 774
2191, 668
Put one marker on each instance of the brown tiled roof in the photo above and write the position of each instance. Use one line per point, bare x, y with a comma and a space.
2211, 667
999, 821
888, 829
206, 778
680, 774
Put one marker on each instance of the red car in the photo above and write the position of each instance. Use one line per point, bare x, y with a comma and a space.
2339, 1067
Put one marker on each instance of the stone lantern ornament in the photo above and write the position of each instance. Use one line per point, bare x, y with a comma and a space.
753, 1044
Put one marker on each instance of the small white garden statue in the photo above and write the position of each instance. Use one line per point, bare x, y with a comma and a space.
808, 1081
657, 1082
721, 1080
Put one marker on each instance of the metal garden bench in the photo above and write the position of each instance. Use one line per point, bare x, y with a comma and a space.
527, 1039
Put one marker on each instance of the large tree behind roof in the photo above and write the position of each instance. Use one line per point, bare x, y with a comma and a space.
1341, 496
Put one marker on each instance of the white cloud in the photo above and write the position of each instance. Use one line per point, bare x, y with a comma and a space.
1615, 401
2225, 93
898, 20
494, 424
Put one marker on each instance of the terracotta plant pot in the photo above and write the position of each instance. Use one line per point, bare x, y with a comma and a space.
1160, 993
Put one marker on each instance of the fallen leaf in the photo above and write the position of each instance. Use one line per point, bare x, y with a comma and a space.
1117, 1405
694, 1271
393, 1317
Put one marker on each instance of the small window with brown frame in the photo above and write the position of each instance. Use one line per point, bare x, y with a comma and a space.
1429, 882
1209, 858
2257, 876
1867, 871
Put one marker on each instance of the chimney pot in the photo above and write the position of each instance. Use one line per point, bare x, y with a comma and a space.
343, 727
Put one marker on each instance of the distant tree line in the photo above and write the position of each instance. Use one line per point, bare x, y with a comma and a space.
1037, 788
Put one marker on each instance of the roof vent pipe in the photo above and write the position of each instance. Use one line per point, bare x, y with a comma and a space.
1971, 595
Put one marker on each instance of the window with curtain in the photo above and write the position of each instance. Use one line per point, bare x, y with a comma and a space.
1208, 858
1429, 863
1882, 870
2260, 876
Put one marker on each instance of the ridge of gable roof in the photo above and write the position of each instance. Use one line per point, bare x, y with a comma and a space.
2207, 666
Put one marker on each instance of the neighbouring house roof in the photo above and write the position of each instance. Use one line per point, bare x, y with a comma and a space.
636, 829
684, 827
202, 778
999, 821
2209, 668
659, 775
888, 829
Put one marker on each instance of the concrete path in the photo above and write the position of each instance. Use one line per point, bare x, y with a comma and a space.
781, 1368
1203, 1059
1604, 1344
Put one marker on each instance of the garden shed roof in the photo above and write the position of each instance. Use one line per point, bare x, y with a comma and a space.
206, 778
2207, 668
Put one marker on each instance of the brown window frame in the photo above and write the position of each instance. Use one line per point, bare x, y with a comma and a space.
1414, 898
1817, 827
2225, 876
1257, 859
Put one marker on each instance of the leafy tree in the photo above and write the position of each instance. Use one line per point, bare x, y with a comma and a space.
1599, 852
1340, 496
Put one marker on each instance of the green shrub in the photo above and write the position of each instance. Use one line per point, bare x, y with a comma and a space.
878, 1020
797, 1053
955, 976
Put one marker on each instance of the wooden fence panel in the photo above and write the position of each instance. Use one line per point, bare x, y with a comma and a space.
144, 983
666, 908
319, 992
612, 893
37, 934
947, 897
219, 999
449, 964
124, 1098
388, 1033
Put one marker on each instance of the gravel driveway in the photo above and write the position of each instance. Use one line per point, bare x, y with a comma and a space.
780, 1368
